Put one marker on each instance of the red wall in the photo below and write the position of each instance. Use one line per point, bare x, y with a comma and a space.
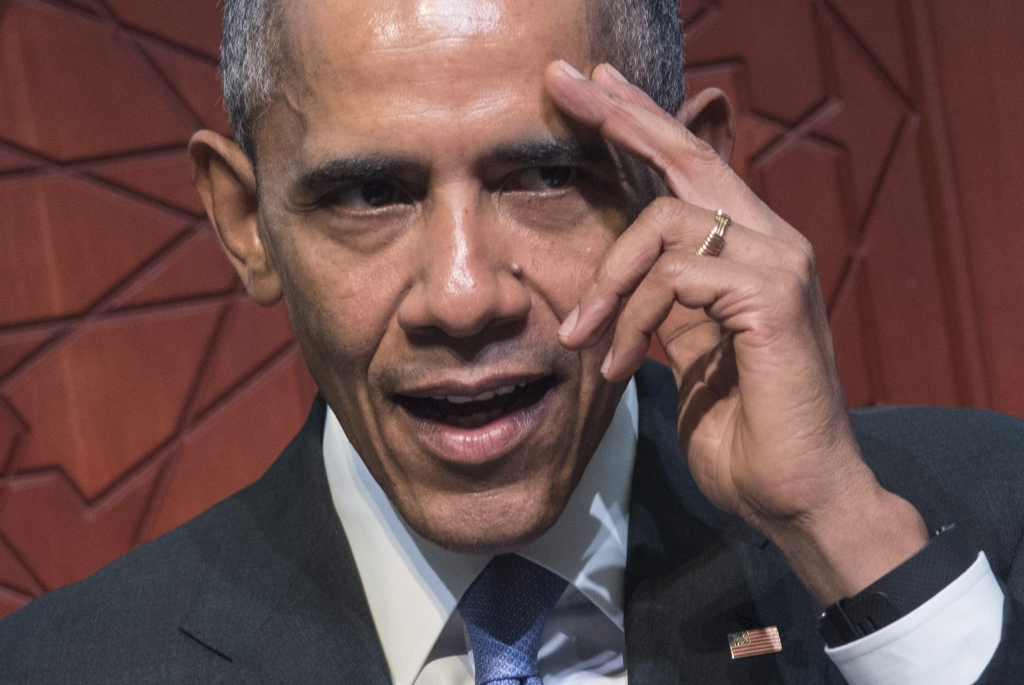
138, 386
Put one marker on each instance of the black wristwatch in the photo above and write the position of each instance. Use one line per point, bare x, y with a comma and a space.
944, 559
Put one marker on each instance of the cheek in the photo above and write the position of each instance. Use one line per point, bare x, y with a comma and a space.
340, 306
561, 261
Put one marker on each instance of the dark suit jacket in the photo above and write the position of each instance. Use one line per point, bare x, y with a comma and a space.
262, 588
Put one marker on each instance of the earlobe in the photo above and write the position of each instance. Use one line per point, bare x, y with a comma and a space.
226, 182
709, 116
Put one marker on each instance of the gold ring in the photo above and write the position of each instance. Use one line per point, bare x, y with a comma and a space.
715, 241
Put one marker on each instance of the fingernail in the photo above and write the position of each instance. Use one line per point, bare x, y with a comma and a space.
570, 69
607, 363
615, 73
569, 325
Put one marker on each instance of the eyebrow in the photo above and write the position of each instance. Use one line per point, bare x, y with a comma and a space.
550, 152
345, 170
341, 171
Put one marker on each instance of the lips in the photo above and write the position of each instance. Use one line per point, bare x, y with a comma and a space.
474, 411
470, 427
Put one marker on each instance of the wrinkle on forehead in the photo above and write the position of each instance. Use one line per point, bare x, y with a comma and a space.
385, 73
359, 27
441, 20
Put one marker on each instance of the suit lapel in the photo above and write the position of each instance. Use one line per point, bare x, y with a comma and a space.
689, 569
282, 600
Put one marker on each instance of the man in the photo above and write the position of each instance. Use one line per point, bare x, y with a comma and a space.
476, 242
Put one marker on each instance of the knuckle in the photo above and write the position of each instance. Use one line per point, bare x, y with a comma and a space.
789, 294
793, 286
663, 211
804, 244
691, 147
802, 262
702, 151
673, 269
807, 250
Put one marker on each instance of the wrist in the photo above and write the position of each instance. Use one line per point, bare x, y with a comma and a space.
920, 579
839, 550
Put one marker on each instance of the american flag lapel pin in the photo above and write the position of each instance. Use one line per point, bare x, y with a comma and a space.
755, 642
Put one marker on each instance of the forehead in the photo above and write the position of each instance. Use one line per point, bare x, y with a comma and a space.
423, 74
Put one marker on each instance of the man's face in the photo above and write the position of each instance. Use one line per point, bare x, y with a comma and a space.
434, 219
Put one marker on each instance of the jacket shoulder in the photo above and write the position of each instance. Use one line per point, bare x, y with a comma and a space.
960, 466
120, 624
965, 448
948, 430
129, 622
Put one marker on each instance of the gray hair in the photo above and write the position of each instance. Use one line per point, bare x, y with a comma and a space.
249, 64
640, 38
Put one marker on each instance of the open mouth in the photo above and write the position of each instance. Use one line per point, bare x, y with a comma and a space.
478, 410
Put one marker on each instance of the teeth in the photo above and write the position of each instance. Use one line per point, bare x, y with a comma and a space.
482, 397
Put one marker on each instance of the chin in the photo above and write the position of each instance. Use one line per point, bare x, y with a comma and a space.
489, 523
482, 458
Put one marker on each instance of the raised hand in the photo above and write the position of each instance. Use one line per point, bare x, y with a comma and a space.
762, 415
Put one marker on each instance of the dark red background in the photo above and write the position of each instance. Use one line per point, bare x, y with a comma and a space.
138, 386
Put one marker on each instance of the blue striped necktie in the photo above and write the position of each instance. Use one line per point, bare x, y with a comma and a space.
505, 610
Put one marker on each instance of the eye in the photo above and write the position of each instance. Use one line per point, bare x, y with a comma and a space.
545, 178
377, 192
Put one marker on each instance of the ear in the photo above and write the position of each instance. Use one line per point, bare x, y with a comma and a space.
226, 182
708, 115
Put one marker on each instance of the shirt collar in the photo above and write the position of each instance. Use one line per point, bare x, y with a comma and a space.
413, 586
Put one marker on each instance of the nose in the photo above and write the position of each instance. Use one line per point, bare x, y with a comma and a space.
467, 279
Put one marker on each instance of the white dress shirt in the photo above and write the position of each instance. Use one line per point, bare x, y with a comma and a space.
413, 586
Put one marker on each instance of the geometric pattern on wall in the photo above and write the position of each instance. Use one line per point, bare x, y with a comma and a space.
138, 385
830, 137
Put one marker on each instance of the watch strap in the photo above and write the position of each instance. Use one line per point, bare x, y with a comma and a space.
941, 561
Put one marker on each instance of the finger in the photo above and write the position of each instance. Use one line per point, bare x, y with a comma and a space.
647, 132
647, 309
629, 119
614, 82
733, 295
666, 226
